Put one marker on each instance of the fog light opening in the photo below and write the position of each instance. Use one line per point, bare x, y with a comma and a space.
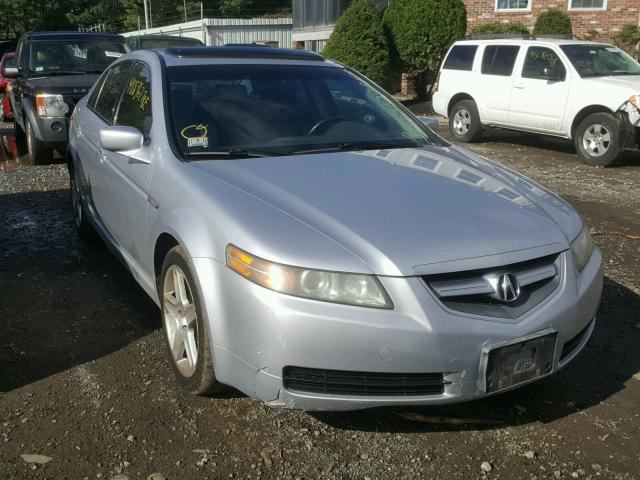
56, 126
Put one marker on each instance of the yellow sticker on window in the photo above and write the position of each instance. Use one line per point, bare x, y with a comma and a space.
196, 135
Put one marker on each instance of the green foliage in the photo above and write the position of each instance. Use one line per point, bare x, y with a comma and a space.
592, 35
252, 8
19, 16
499, 28
422, 31
359, 41
552, 22
628, 38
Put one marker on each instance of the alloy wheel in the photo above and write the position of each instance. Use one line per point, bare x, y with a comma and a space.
596, 140
462, 121
180, 320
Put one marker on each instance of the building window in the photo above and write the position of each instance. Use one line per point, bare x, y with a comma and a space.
524, 5
587, 4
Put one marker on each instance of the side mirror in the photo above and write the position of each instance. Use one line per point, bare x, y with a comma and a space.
125, 140
551, 73
429, 122
10, 72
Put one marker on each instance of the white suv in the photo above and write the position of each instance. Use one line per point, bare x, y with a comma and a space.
584, 91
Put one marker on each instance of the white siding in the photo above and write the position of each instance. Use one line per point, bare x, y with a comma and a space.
222, 31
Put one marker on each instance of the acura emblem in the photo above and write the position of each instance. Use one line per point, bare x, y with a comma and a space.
508, 289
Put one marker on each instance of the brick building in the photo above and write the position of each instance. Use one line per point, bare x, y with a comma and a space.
605, 16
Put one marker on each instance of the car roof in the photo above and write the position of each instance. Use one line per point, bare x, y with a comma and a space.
244, 53
518, 40
43, 36
165, 37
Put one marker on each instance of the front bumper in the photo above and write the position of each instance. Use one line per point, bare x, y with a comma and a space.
256, 332
51, 130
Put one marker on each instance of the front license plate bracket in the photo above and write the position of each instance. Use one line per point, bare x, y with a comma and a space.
518, 361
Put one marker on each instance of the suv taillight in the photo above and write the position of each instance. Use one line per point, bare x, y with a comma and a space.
437, 82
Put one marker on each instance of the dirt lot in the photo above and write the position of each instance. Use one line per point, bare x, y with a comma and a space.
84, 379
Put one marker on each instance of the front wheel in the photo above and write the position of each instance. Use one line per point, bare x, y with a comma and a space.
38, 153
185, 325
597, 140
464, 121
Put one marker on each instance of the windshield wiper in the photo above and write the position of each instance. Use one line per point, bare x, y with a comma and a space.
231, 153
354, 146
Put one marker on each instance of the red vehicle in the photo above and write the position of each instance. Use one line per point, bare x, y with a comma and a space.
5, 85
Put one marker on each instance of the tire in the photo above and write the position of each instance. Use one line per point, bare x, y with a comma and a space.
464, 121
83, 225
38, 153
190, 355
597, 140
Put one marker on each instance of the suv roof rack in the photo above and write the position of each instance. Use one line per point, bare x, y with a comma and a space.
515, 36
244, 51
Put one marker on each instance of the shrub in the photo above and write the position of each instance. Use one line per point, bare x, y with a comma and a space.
499, 28
628, 37
552, 22
592, 35
359, 41
421, 31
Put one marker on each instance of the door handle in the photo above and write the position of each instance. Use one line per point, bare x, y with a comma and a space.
519, 86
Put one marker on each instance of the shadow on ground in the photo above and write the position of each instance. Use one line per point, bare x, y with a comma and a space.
64, 302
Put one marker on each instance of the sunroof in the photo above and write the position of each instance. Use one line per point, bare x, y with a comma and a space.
248, 51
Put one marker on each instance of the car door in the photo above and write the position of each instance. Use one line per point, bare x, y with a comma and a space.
129, 176
495, 81
100, 113
537, 101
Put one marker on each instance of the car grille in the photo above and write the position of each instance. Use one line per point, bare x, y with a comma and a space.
475, 291
341, 382
570, 346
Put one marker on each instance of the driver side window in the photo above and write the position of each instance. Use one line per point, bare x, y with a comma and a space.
111, 91
539, 58
135, 106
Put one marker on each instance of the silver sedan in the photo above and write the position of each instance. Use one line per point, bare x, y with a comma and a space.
313, 244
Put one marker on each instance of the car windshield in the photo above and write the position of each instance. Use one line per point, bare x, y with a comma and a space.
74, 56
600, 60
255, 110
150, 43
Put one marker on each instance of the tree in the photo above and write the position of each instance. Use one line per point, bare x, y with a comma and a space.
552, 22
420, 33
252, 8
359, 41
499, 28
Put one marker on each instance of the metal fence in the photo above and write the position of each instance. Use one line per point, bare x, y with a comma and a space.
222, 31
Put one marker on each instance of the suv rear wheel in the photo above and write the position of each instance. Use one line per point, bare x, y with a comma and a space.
38, 152
597, 140
464, 121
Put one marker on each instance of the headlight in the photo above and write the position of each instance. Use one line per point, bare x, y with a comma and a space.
635, 100
336, 287
581, 248
48, 105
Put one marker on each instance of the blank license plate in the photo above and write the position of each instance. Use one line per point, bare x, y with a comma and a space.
520, 362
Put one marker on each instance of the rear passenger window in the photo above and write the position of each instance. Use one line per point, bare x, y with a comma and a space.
460, 57
499, 59
96, 92
111, 90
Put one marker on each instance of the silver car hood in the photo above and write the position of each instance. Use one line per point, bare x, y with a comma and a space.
410, 211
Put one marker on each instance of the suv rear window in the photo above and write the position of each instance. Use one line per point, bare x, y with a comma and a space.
499, 59
460, 57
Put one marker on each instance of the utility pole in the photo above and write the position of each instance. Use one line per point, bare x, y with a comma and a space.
204, 32
146, 15
184, 5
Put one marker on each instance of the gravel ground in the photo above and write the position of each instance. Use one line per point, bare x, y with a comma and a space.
84, 383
